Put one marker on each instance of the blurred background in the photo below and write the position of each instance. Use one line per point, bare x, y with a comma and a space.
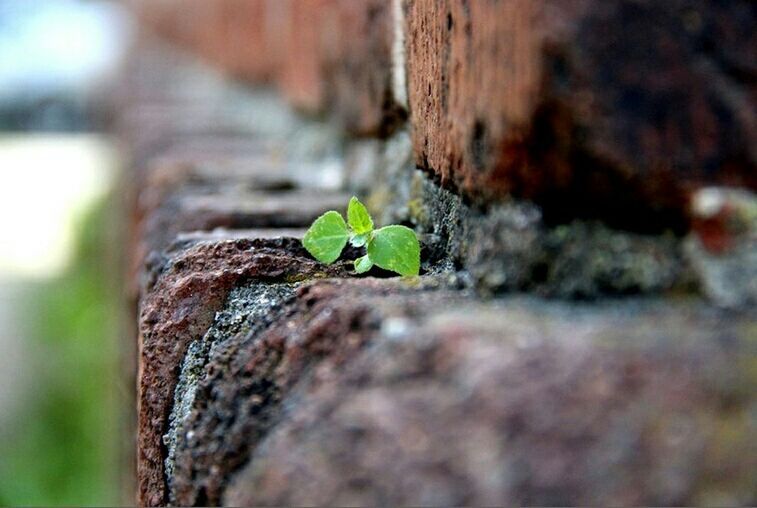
61, 399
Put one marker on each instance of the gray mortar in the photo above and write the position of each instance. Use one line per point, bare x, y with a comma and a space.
508, 247
248, 308
729, 279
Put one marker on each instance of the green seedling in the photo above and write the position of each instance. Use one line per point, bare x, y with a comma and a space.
393, 248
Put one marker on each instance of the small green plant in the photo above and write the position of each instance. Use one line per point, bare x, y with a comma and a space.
393, 248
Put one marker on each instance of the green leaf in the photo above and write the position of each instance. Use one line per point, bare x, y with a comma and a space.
363, 264
358, 217
359, 240
396, 248
327, 237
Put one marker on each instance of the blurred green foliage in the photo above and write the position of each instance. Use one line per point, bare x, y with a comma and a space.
64, 450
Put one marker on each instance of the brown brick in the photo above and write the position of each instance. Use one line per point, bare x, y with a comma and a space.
208, 163
301, 79
329, 56
338, 61
199, 189
204, 211
179, 307
247, 37
248, 380
242, 37
459, 403
592, 107
359, 70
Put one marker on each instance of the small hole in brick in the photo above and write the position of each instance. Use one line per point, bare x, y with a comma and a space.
540, 273
450, 22
479, 145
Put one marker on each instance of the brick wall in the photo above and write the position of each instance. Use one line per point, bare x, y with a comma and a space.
581, 175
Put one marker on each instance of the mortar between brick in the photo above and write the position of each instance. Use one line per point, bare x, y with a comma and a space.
248, 309
179, 307
508, 247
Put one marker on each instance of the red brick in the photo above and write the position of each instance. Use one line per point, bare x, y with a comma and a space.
457, 403
328, 56
605, 107
301, 80
249, 38
338, 61
239, 36
358, 70
178, 308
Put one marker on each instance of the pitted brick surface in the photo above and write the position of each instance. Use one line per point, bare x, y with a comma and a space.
247, 380
522, 402
178, 309
591, 107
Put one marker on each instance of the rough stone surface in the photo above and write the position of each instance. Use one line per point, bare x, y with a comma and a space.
587, 106
509, 247
179, 308
248, 308
520, 402
246, 381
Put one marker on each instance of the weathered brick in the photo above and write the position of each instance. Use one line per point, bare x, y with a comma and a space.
328, 56
198, 165
338, 62
243, 386
198, 196
517, 402
203, 211
610, 108
259, 385
359, 70
239, 36
177, 308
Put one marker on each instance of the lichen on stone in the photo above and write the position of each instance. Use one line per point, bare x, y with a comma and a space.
248, 308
